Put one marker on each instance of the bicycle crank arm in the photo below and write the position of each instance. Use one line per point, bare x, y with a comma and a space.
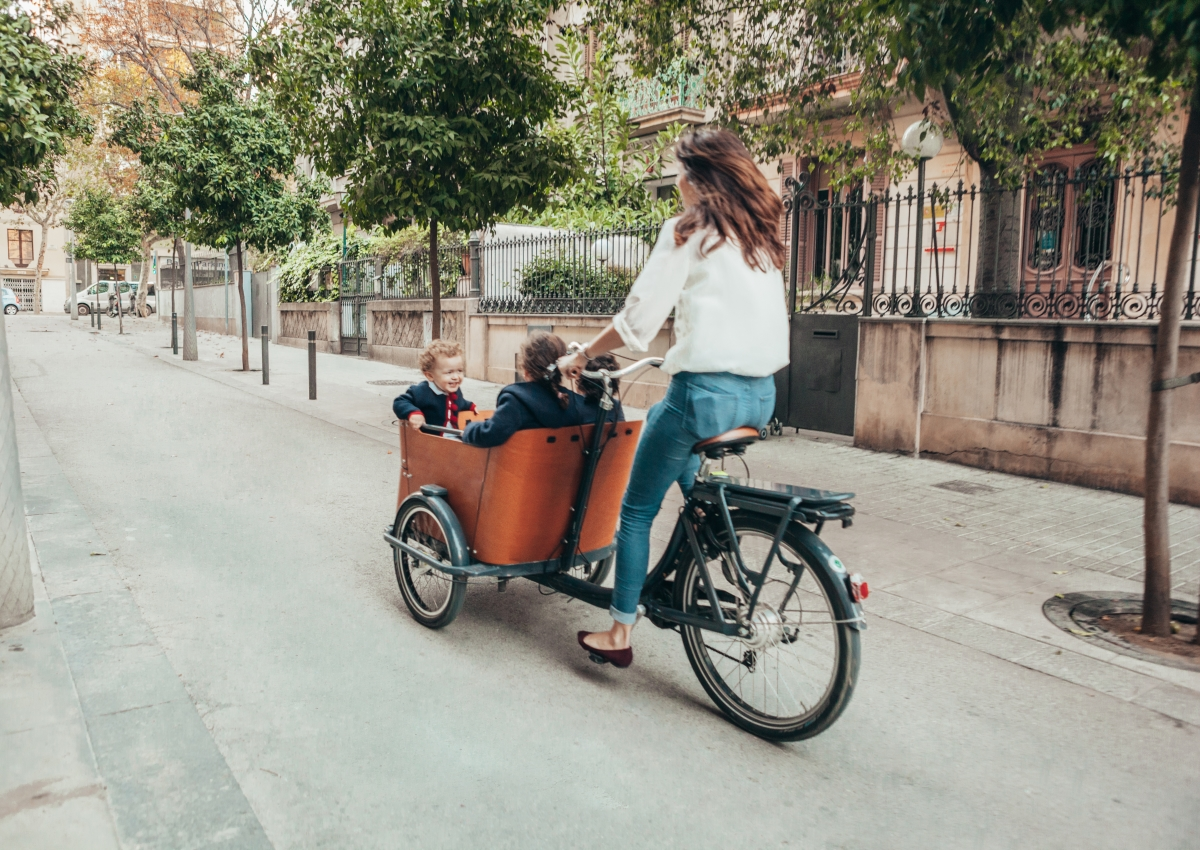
682, 618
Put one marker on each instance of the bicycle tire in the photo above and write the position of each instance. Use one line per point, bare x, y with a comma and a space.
421, 584
842, 640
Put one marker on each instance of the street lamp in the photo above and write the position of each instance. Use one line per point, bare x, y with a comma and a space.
601, 250
922, 140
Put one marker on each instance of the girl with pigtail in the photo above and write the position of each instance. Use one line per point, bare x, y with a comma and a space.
541, 401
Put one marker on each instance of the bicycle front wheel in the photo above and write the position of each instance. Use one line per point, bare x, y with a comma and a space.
792, 675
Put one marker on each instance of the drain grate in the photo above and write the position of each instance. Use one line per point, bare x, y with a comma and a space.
388, 383
968, 488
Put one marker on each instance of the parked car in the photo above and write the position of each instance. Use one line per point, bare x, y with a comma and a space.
87, 298
12, 304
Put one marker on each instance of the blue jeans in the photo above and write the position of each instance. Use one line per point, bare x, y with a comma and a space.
697, 406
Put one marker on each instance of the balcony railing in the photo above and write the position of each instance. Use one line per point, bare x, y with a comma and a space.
671, 90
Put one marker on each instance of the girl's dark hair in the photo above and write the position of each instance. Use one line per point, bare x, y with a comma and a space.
733, 199
592, 388
538, 353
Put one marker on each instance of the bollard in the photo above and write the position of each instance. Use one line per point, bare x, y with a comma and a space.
174, 333
266, 362
99, 316
92, 317
312, 365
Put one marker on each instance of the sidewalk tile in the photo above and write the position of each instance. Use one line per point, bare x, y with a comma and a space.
904, 611
994, 641
1173, 701
939, 593
991, 580
1090, 672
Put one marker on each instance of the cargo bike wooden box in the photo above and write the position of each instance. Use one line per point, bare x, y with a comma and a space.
769, 616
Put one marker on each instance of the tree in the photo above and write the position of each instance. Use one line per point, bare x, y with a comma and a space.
38, 77
46, 211
230, 160
105, 232
433, 111
154, 208
820, 78
1169, 32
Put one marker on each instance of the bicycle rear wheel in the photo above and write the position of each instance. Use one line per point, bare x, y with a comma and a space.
793, 674
433, 598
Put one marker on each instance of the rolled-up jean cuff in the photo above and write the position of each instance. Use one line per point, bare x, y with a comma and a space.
623, 618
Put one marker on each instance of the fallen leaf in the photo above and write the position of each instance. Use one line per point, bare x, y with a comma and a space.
1060, 572
1059, 596
1081, 633
959, 525
95, 553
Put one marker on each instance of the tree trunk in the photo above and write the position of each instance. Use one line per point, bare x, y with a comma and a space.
242, 302
144, 286
435, 282
120, 312
176, 254
998, 267
37, 274
1156, 603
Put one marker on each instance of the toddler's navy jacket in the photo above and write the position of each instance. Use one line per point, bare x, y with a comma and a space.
437, 408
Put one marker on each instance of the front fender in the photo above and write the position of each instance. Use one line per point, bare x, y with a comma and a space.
815, 547
460, 553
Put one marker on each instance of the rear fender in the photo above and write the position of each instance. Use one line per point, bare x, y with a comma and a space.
848, 609
460, 554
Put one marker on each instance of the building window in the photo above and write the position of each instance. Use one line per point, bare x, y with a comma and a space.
20, 247
1094, 213
1047, 211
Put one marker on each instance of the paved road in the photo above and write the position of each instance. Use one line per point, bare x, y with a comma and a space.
247, 533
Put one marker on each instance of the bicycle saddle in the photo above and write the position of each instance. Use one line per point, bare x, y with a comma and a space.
731, 442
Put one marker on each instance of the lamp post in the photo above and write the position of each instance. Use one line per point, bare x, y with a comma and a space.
922, 140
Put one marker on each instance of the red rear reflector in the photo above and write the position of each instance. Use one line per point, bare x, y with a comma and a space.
859, 589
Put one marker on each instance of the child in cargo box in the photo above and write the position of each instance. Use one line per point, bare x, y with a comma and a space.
437, 400
541, 401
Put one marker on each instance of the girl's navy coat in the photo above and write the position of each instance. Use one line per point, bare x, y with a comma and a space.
531, 405
419, 398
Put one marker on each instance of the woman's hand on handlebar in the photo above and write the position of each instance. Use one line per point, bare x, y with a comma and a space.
572, 364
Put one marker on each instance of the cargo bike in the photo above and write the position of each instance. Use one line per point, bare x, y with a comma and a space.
769, 616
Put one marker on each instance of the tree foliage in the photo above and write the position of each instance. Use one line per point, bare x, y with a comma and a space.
607, 188
433, 111
228, 158
821, 78
105, 232
38, 77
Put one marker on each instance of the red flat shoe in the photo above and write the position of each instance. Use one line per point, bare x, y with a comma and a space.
616, 657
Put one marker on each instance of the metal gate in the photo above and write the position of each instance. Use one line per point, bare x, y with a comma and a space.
357, 281
830, 274
816, 390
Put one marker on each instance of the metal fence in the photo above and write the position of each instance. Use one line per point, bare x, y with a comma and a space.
588, 272
205, 272
1085, 245
405, 277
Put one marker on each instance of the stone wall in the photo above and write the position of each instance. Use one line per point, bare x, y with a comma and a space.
1065, 401
398, 329
296, 320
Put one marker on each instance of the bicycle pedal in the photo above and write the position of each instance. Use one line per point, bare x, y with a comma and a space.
598, 659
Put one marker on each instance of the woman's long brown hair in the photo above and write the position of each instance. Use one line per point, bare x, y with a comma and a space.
733, 199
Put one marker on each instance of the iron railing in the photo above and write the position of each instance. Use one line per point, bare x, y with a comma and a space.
406, 276
563, 272
674, 88
205, 272
1086, 245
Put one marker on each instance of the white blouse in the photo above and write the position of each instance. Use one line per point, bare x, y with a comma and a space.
728, 316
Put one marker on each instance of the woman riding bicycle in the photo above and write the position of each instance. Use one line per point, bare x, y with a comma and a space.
718, 267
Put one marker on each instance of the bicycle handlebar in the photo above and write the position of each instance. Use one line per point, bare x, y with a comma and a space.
628, 370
